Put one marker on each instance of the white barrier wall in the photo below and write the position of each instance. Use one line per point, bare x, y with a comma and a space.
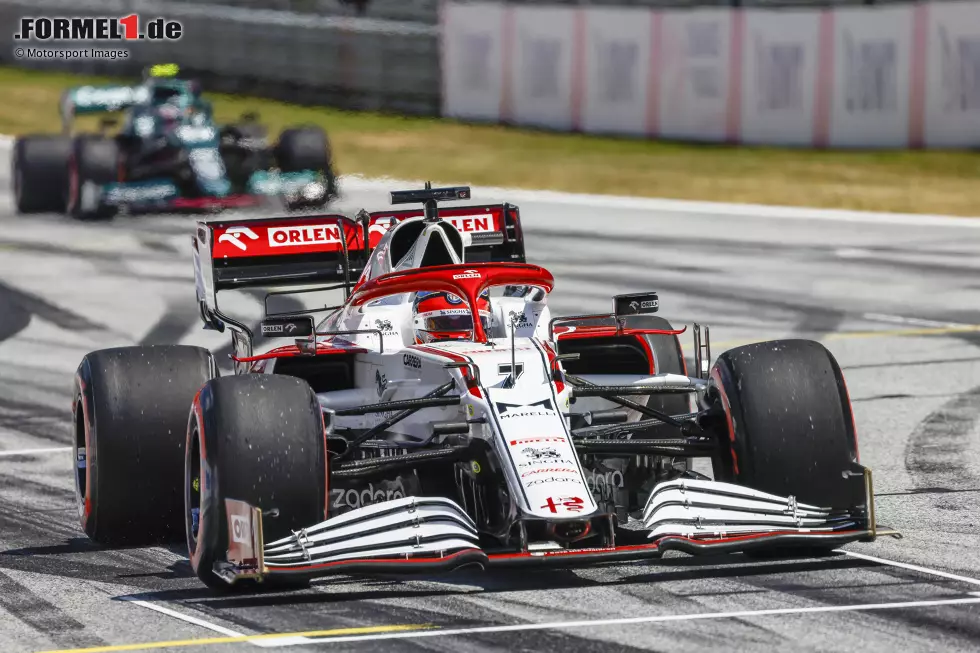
895, 76
780, 71
951, 66
544, 75
473, 59
871, 88
616, 54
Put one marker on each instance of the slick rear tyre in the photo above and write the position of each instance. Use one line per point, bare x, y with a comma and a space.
39, 173
788, 424
303, 148
255, 438
94, 162
130, 416
307, 148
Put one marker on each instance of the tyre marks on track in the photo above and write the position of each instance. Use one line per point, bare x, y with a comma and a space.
806, 317
35, 419
17, 307
179, 316
934, 455
23, 604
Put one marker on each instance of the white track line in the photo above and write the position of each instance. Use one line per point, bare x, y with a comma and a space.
185, 617
558, 625
31, 452
903, 565
286, 640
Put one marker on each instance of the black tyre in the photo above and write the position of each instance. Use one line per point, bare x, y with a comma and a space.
94, 162
307, 148
255, 438
130, 418
39, 173
244, 152
788, 424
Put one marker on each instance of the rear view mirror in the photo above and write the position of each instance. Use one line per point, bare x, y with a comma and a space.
289, 327
636, 304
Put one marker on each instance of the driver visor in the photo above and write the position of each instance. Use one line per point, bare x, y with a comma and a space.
453, 323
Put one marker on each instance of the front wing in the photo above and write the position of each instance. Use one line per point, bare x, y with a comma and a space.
431, 534
162, 195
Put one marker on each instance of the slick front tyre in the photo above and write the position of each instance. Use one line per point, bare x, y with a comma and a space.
39, 173
788, 427
255, 438
130, 416
94, 162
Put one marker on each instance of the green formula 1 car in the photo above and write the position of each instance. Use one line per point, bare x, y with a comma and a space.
168, 155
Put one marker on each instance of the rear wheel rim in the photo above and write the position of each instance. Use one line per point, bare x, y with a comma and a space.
18, 184
192, 490
72, 187
81, 459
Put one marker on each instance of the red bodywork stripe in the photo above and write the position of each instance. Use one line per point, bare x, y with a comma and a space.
728, 417
401, 561
471, 385
574, 552
649, 352
850, 406
289, 351
598, 331
559, 385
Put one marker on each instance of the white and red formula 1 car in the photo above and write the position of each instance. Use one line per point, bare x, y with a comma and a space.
536, 440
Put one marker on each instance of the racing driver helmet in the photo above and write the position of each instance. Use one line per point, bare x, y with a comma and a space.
444, 316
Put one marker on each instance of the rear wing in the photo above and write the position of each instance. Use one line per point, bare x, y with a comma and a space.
329, 248
272, 252
323, 252
85, 100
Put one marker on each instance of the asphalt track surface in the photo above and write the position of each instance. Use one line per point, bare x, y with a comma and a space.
894, 302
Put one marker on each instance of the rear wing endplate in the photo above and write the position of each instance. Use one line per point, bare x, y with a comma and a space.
493, 231
272, 252
85, 100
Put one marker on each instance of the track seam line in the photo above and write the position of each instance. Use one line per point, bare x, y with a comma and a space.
30, 452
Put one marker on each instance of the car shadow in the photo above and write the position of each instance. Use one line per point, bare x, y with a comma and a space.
501, 581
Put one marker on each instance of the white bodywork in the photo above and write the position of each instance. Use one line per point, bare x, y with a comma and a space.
524, 420
525, 424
